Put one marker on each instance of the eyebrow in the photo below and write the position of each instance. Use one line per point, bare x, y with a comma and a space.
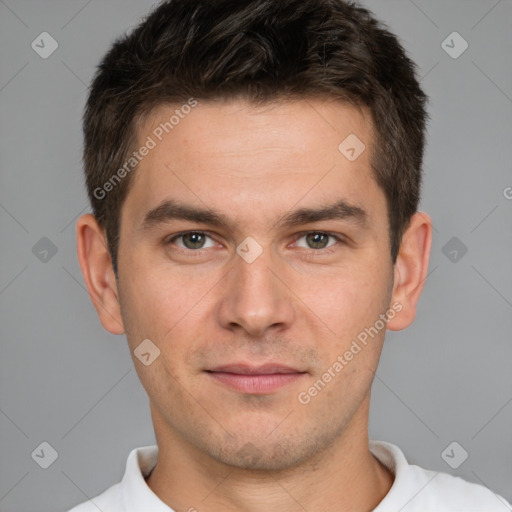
169, 210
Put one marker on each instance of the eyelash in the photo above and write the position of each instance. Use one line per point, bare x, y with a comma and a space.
198, 252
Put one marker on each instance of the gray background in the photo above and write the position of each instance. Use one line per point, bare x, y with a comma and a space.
66, 381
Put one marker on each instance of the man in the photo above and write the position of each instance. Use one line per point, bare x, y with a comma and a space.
254, 168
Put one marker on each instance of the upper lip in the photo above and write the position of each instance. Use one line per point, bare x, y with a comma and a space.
247, 369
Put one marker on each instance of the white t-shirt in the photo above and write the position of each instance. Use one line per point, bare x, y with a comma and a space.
414, 489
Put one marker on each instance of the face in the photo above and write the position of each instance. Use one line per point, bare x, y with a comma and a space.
254, 254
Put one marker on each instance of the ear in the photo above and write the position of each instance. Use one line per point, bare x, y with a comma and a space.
410, 270
98, 273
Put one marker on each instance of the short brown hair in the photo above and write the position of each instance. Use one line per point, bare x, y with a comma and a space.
261, 50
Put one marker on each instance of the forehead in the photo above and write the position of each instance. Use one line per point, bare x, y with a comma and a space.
237, 128
233, 156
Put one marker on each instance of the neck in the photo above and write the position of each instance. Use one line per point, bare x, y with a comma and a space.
345, 477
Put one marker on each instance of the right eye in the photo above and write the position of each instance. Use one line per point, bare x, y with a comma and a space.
191, 240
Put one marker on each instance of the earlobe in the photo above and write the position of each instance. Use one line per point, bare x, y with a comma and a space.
96, 265
411, 269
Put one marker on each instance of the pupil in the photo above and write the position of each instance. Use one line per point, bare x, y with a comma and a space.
195, 240
317, 238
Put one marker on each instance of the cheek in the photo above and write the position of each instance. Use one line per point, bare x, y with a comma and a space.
154, 289
165, 306
350, 306
348, 298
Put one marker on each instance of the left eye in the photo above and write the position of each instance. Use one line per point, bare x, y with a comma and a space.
318, 239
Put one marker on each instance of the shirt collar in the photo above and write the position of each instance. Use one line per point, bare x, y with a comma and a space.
136, 495
406, 483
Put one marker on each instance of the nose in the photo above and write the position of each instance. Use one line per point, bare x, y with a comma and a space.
255, 297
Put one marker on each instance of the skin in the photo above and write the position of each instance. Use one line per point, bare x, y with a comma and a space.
296, 304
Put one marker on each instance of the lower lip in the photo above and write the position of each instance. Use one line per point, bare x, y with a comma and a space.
256, 384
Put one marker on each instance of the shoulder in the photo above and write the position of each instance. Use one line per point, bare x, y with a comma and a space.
132, 491
442, 491
108, 500
416, 489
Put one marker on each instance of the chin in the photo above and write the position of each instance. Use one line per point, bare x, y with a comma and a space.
262, 455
